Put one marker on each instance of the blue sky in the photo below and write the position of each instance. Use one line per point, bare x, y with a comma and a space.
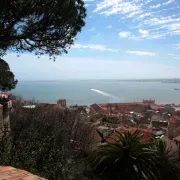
122, 39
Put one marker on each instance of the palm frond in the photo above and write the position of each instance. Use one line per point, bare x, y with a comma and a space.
127, 158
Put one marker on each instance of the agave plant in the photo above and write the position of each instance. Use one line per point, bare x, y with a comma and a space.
126, 158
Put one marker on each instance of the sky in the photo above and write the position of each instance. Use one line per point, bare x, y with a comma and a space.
122, 39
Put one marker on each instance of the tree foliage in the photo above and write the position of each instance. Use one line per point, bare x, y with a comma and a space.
46, 142
40, 26
7, 79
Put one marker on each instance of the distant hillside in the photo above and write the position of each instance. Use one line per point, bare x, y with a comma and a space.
176, 80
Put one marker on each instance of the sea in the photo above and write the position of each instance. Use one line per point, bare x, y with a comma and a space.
86, 92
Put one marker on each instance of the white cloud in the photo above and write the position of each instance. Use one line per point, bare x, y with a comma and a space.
109, 7
141, 14
109, 27
174, 27
144, 33
162, 4
158, 35
156, 6
168, 2
125, 34
161, 20
98, 47
92, 29
164, 26
141, 53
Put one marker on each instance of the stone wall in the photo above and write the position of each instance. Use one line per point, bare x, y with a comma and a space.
1, 120
5, 108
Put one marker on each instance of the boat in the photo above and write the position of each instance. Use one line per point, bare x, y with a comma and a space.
176, 89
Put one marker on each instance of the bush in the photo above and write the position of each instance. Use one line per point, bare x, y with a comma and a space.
46, 142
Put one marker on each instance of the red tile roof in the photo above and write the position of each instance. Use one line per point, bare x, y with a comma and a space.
97, 108
146, 138
177, 138
175, 121
95, 136
156, 107
147, 133
10, 173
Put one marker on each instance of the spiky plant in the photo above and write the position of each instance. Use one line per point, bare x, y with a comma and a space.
126, 158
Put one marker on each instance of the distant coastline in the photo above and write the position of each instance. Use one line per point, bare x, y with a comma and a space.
165, 80
175, 80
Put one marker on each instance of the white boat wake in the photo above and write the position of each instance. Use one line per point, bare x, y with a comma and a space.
104, 93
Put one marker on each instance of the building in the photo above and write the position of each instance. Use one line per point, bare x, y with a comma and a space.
105, 131
123, 107
171, 146
159, 125
5, 108
57, 107
62, 103
149, 101
158, 134
177, 142
96, 109
174, 127
48, 105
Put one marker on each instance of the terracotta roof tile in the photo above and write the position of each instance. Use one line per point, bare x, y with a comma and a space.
176, 122
177, 138
147, 133
95, 136
10, 173
97, 108
156, 107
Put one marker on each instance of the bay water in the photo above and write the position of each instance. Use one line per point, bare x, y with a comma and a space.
86, 92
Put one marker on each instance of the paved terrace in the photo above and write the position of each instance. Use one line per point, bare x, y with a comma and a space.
10, 173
